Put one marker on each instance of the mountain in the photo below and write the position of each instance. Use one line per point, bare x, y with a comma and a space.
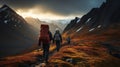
95, 41
72, 24
36, 23
99, 26
33, 21
19, 35
16, 34
61, 23
53, 28
107, 14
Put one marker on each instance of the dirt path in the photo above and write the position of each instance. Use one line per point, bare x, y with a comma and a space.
40, 60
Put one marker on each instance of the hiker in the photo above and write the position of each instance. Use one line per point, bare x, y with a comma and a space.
44, 41
57, 39
68, 40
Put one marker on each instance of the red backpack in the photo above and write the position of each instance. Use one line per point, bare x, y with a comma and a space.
44, 34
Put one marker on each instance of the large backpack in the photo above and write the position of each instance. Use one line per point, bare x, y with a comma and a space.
57, 36
44, 34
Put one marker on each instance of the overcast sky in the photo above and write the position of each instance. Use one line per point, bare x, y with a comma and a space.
52, 9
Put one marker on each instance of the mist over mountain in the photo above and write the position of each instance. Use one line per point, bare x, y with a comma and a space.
61, 23
37, 22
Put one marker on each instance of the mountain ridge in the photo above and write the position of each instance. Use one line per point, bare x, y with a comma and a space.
104, 16
16, 34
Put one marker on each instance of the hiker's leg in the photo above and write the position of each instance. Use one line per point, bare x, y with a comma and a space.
69, 42
47, 53
44, 50
58, 45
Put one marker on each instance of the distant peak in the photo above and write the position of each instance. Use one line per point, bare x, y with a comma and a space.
5, 6
76, 17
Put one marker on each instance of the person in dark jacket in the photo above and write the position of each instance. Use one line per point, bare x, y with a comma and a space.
57, 39
68, 40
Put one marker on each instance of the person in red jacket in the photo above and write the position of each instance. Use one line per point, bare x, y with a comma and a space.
44, 40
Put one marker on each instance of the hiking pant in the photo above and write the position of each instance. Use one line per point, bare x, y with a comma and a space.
68, 42
58, 42
46, 51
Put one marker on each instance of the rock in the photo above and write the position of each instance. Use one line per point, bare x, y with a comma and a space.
70, 60
42, 64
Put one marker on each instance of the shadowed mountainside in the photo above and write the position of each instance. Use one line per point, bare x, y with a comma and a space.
104, 16
16, 34
101, 25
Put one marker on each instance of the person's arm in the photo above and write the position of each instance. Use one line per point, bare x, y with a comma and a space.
50, 35
60, 38
54, 38
39, 42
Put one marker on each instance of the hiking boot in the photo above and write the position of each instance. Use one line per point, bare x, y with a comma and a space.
46, 62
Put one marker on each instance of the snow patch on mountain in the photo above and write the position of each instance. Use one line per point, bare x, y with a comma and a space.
88, 20
78, 20
99, 26
91, 29
79, 29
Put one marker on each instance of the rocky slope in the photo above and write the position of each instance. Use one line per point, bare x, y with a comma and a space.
16, 34
104, 16
100, 25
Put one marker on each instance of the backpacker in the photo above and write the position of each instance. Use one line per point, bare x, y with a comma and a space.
57, 36
44, 34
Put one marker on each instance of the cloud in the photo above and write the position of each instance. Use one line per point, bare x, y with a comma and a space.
58, 7
47, 10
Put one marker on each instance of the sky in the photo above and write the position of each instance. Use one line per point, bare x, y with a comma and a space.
52, 9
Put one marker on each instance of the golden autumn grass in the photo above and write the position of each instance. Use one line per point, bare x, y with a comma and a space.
85, 56
14, 61
86, 51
